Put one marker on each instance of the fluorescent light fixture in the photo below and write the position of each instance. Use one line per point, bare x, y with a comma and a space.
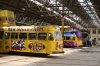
81, 0
31, 0
93, 11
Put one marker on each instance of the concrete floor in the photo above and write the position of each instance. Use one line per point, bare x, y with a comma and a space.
71, 57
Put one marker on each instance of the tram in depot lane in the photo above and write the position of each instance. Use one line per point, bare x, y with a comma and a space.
32, 39
72, 37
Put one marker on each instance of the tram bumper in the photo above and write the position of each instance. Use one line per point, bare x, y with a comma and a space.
57, 52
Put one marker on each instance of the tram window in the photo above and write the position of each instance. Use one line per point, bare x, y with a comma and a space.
67, 37
1, 35
14, 35
7, 35
73, 38
32, 36
42, 36
51, 36
98, 38
22, 35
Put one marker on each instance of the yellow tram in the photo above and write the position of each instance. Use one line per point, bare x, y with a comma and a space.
31, 39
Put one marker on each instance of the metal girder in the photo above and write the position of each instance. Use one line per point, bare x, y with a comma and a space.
29, 8
96, 4
22, 6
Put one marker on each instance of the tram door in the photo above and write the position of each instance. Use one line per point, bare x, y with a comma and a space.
1, 41
7, 42
51, 43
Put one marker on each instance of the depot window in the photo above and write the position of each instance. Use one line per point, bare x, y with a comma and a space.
98, 31
22, 35
94, 31
99, 39
32, 36
14, 35
42, 36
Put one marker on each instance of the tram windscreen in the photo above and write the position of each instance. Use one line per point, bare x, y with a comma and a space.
69, 38
58, 35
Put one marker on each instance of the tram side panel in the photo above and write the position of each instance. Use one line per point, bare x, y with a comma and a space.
23, 40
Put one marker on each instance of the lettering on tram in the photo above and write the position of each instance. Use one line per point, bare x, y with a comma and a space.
36, 46
26, 29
